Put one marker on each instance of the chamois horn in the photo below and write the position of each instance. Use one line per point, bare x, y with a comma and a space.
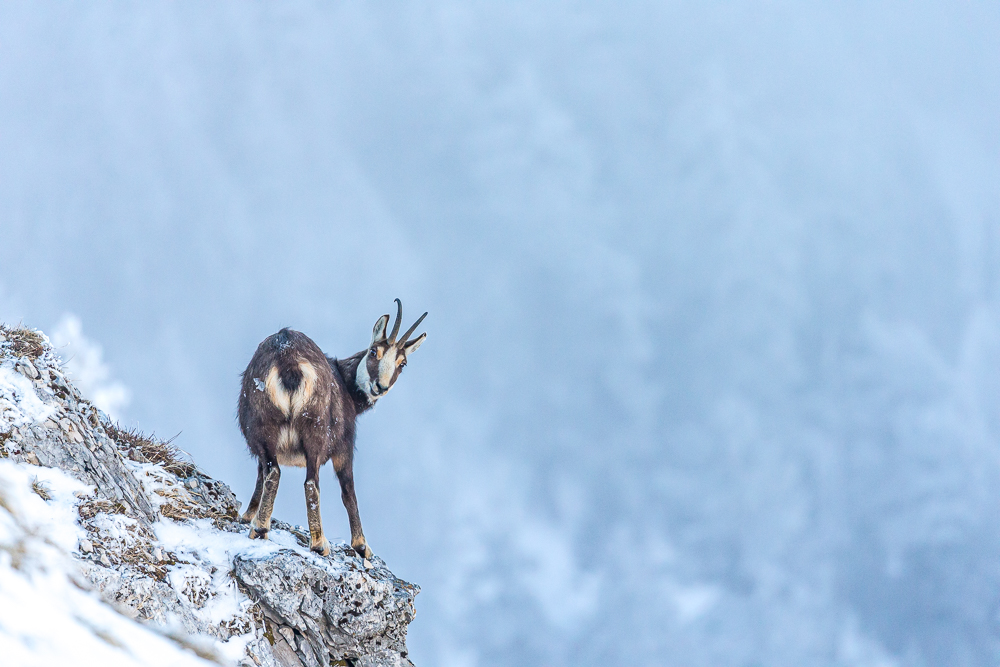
411, 329
399, 319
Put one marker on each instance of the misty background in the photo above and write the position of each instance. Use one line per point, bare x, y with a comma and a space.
712, 374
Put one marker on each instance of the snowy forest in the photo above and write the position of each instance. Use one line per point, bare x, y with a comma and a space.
712, 374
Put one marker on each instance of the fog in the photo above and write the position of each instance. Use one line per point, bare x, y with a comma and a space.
712, 374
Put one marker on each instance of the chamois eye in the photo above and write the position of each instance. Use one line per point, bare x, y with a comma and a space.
372, 353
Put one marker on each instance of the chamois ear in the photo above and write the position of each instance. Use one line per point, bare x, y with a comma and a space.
412, 346
378, 333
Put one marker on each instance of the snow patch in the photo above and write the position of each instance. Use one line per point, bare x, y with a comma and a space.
19, 405
48, 618
204, 557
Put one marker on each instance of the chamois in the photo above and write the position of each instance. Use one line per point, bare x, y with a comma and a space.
297, 407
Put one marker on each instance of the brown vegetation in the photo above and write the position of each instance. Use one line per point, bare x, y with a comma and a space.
144, 448
23, 342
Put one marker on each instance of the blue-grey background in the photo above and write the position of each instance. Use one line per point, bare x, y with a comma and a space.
712, 374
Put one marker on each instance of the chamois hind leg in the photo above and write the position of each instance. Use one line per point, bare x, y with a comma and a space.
345, 474
251, 510
317, 541
261, 523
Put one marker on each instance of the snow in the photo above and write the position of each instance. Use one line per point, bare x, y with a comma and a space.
205, 555
19, 405
47, 617
203, 572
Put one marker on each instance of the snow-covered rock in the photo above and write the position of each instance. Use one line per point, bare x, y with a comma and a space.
159, 541
47, 618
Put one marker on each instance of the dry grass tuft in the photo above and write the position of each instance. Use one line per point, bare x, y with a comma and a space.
23, 342
180, 510
40, 489
172, 511
91, 508
144, 448
255, 612
182, 502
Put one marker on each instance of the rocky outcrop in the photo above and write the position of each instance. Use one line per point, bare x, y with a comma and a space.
164, 546
328, 607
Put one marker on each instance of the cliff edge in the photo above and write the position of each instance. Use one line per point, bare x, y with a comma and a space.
127, 517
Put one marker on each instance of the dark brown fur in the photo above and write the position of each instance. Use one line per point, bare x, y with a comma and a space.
314, 425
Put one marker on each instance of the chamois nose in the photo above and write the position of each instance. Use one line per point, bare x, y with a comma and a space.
380, 388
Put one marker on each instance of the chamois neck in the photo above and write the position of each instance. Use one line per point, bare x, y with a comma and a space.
349, 373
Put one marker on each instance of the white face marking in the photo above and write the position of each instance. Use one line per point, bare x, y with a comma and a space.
387, 367
363, 381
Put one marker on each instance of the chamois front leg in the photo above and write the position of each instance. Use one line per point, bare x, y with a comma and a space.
345, 474
317, 541
261, 523
251, 510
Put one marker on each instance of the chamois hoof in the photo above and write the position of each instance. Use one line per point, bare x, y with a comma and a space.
363, 550
258, 534
322, 548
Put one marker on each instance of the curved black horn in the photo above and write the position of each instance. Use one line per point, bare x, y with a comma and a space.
412, 329
399, 319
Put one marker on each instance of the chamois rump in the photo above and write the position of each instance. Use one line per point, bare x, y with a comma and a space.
298, 407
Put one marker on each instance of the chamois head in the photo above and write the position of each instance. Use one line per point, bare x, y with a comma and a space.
386, 356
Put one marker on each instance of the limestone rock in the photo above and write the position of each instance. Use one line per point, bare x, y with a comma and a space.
335, 608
